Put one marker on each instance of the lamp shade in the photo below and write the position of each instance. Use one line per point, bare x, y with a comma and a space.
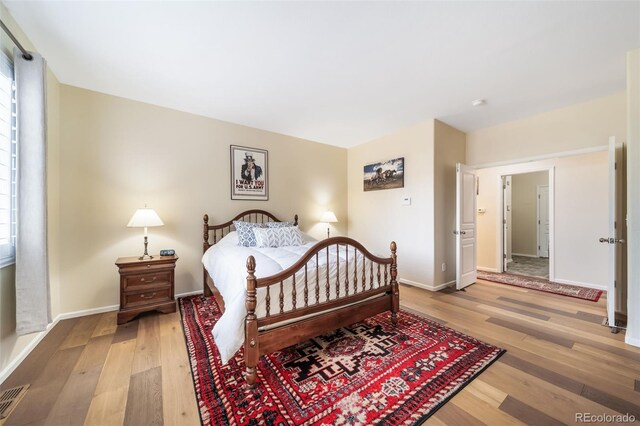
328, 217
143, 218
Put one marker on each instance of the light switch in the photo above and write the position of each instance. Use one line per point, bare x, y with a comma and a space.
406, 201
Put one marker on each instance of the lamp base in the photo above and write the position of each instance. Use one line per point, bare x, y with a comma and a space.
145, 255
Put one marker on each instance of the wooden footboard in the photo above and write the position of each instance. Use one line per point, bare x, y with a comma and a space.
329, 298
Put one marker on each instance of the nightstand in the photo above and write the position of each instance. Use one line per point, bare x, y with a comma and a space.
146, 285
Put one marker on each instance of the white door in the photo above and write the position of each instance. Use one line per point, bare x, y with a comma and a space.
466, 261
506, 222
614, 239
543, 220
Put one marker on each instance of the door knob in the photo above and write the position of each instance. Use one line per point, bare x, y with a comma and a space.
611, 241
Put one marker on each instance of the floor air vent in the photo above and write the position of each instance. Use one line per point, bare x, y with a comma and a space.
9, 399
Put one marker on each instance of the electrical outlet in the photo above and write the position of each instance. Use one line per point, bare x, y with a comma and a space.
444, 267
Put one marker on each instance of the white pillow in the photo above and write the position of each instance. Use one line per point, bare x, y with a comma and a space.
278, 237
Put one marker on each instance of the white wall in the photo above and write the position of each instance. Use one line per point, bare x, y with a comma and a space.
524, 214
633, 197
584, 125
118, 154
377, 217
581, 193
581, 216
449, 149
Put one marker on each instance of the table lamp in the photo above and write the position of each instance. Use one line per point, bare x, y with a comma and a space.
328, 217
143, 218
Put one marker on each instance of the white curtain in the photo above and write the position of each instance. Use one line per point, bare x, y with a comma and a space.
33, 307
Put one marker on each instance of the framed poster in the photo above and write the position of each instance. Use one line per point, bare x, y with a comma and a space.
249, 171
384, 175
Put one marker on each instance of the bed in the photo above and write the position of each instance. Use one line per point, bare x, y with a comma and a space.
277, 297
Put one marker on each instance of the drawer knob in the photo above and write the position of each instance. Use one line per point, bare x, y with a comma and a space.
148, 266
144, 296
152, 280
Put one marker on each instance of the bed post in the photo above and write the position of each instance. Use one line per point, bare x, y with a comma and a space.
205, 246
395, 294
251, 353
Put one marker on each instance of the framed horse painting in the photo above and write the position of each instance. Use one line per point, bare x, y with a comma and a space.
384, 175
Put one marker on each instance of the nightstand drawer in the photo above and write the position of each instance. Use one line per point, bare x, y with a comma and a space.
134, 282
147, 297
143, 267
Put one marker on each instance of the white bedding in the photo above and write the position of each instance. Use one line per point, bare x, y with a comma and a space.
226, 264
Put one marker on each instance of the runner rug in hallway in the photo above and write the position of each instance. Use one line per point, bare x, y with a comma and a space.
368, 373
541, 284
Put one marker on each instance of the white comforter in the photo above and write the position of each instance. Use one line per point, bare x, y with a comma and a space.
226, 263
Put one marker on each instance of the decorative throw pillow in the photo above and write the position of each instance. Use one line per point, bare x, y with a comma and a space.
278, 237
279, 224
246, 237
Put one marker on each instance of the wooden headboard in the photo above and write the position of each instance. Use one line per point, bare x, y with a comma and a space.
219, 231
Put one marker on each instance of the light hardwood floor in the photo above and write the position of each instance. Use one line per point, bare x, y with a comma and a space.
560, 361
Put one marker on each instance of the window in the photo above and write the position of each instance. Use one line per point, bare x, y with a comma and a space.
7, 162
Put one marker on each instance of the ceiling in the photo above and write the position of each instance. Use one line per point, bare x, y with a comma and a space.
340, 73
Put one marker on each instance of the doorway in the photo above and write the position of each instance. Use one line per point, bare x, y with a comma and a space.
526, 223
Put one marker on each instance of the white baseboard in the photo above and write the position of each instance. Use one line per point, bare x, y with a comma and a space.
525, 255
632, 341
580, 284
189, 293
426, 286
485, 269
6, 372
85, 312
444, 285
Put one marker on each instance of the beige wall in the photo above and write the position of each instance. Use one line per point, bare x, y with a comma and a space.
581, 215
117, 154
449, 150
377, 217
579, 126
11, 345
633, 200
524, 217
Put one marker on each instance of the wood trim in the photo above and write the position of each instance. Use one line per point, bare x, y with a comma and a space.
317, 248
282, 337
248, 213
324, 306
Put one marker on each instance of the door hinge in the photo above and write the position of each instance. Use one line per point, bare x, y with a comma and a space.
538, 222
538, 247
615, 225
615, 166
504, 221
615, 283
504, 256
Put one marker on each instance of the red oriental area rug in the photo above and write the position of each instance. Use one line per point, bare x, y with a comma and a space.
541, 284
368, 373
